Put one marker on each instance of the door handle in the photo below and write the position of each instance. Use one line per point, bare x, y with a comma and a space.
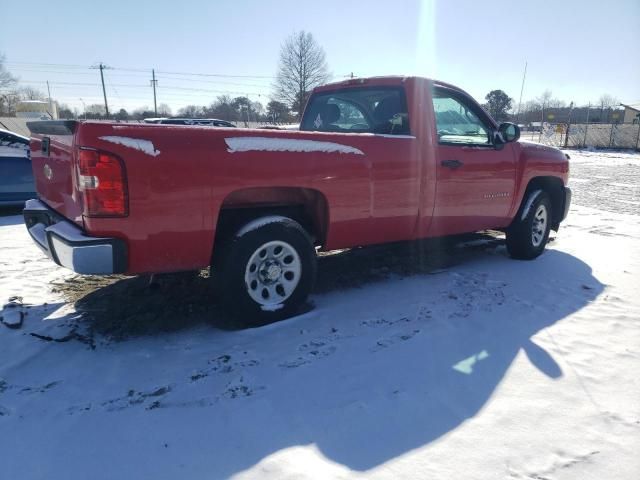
452, 164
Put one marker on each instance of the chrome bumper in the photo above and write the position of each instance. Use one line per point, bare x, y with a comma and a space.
67, 245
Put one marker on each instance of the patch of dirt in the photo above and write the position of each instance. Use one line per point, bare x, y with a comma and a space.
118, 307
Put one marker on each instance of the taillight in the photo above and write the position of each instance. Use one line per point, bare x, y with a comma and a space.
102, 180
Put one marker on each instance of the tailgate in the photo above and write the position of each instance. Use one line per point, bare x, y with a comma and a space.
52, 145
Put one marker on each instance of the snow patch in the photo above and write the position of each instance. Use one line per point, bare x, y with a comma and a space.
527, 207
140, 144
271, 308
466, 366
268, 144
259, 222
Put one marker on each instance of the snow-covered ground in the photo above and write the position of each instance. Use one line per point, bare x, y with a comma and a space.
467, 366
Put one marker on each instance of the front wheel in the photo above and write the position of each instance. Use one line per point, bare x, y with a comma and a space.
268, 269
528, 234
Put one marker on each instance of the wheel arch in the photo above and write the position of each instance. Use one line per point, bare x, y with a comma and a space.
552, 186
308, 207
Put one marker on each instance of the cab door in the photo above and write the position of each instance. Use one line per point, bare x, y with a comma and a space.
475, 179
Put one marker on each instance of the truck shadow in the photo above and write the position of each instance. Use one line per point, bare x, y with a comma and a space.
357, 267
119, 307
371, 391
382, 396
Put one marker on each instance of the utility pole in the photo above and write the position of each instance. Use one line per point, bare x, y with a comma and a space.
104, 91
586, 127
566, 136
154, 82
101, 66
84, 108
50, 107
521, 90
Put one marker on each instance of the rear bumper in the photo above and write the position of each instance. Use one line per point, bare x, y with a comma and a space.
67, 245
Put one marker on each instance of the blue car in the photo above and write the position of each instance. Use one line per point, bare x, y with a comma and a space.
16, 176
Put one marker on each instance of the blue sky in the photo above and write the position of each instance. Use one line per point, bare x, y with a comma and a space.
577, 49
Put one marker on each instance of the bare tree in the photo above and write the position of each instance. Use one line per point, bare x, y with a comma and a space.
30, 93
258, 108
608, 101
164, 110
7, 83
192, 111
6, 79
142, 113
64, 112
95, 109
302, 67
545, 98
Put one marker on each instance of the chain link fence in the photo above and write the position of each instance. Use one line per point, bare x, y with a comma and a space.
586, 135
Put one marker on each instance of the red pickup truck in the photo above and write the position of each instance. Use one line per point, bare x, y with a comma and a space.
375, 160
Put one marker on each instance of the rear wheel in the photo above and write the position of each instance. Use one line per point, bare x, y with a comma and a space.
529, 233
267, 270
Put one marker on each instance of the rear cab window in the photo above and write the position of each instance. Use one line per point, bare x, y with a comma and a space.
358, 110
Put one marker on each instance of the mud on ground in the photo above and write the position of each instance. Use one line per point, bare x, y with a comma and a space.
118, 306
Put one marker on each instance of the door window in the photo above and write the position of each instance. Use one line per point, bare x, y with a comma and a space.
456, 121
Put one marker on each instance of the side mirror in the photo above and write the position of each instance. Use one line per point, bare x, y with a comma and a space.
510, 132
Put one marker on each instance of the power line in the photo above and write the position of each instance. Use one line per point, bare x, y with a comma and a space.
56, 72
132, 85
63, 83
172, 77
65, 65
259, 84
203, 96
217, 82
141, 75
217, 75
72, 66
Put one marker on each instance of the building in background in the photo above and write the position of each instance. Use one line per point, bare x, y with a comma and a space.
631, 113
37, 110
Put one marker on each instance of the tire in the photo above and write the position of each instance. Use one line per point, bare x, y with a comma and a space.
527, 238
267, 270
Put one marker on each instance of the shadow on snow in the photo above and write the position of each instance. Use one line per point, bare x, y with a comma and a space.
360, 406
